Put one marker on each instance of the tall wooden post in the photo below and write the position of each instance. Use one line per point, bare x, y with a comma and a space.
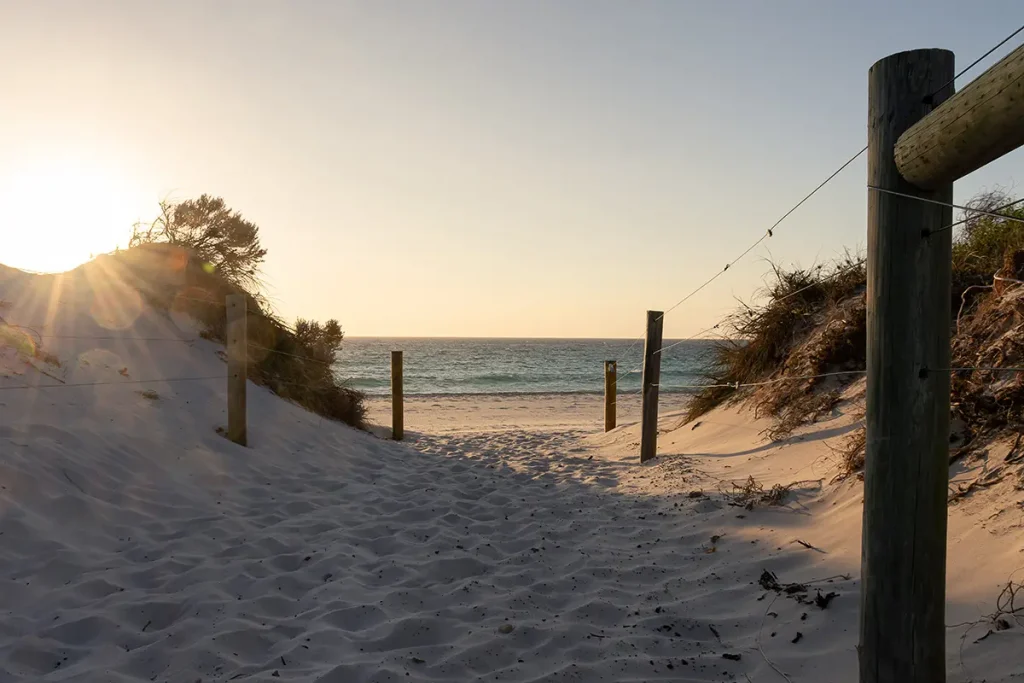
903, 556
610, 382
649, 384
397, 414
237, 367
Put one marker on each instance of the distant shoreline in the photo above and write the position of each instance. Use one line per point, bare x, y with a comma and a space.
469, 413
614, 340
508, 367
510, 394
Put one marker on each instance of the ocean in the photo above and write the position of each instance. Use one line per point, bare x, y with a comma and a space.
512, 366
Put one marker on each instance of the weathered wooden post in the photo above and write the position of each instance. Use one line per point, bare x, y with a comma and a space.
397, 414
649, 384
237, 368
902, 631
977, 125
609, 395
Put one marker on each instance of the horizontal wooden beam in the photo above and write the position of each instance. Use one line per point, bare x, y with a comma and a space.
977, 125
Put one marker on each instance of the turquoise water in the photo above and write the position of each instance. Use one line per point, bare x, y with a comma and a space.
512, 366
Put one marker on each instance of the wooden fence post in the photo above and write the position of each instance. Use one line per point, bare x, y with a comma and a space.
610, 382
902, 631
237, 368
649, 384
980, 123
397, 415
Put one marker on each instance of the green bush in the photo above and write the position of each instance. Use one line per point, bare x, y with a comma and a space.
981, 245
199, 251
299, 367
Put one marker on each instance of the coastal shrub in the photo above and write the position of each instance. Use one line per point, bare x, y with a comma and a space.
299, 367
813, 321
220, 238
193, 256
981, 245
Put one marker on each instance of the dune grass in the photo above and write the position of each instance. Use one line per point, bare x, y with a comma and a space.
813, 321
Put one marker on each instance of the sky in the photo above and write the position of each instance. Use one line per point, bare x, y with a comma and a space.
535, 168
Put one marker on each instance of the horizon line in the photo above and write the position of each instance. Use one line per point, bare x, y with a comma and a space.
504, 338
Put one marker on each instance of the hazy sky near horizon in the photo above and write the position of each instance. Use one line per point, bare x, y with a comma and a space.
465, 167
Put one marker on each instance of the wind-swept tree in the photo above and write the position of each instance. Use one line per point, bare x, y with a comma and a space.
222, 239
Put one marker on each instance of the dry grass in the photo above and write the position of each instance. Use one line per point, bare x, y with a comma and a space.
26, 342
48, 358
804, 310
991, 335
17, 338
752, 493
813, 321
1010, 603
851, 454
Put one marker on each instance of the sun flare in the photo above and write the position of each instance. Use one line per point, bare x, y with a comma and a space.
55, 216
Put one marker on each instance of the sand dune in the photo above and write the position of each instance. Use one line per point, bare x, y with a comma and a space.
137, 544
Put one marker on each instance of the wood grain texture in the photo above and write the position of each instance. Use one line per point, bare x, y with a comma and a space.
397, 398
610, 384
979, 124
649, 384
902, 632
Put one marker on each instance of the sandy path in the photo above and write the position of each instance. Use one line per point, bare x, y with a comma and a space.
136, 544
499, 413
395, 565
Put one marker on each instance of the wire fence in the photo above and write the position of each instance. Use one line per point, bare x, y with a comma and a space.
114, 338
129, 338
927, 200
128, 381
70, 385
797, 378
969, 213
857, 264
823, 375
977, 61
770, 232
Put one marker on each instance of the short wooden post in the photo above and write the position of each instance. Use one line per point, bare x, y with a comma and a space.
237, 367
649, 383
903, 556
397, 415
609, 395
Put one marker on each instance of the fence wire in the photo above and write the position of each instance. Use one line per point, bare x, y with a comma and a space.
927, 200
68, 385
839, 373
977, 61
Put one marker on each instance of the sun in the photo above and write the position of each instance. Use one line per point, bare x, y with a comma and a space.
57, 214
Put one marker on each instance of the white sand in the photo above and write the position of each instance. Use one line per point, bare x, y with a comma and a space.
492, 413
136, 544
